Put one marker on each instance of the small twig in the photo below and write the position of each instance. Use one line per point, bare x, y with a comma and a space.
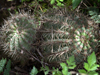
19, 69
88, 2
40, 53
31, 54
79, 6
42, 63
85, 4
18, 73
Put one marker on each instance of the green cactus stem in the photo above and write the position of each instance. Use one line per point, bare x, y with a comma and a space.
18, 31
65, 34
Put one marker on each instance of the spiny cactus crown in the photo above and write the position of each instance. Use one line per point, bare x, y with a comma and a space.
18, 32
83, 39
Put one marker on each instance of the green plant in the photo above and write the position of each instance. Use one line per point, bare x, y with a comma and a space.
88, 4
71, 65
53, 71
4, 69
68, 3
24, 0
59, 2
90, 66
65, 67
34, 71
18, 33
75, 3
94, 13
65, 34
8, 68
2, 64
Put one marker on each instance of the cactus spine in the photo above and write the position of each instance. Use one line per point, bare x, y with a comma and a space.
65, 34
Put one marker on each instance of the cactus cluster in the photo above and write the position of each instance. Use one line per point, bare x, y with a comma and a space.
65, 34
18, 33
61, 35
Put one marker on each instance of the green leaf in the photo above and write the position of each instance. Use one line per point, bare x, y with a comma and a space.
61, 0
34, 71
52, 1
46, 72
71, 67
71, 62
94, 67
82, 71
2, 64
8, 68
93, 73
40, 0
43, 69
64, 68
94, 16
91, 59
46, 69
23, 1
56, 72
75, 3
86, 66
39, 23
9, 9
59, 4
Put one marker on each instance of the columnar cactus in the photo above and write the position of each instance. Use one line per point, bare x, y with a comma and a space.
18, 33
65, 34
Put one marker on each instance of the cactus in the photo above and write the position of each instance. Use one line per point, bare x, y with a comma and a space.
18, 33
67, 33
